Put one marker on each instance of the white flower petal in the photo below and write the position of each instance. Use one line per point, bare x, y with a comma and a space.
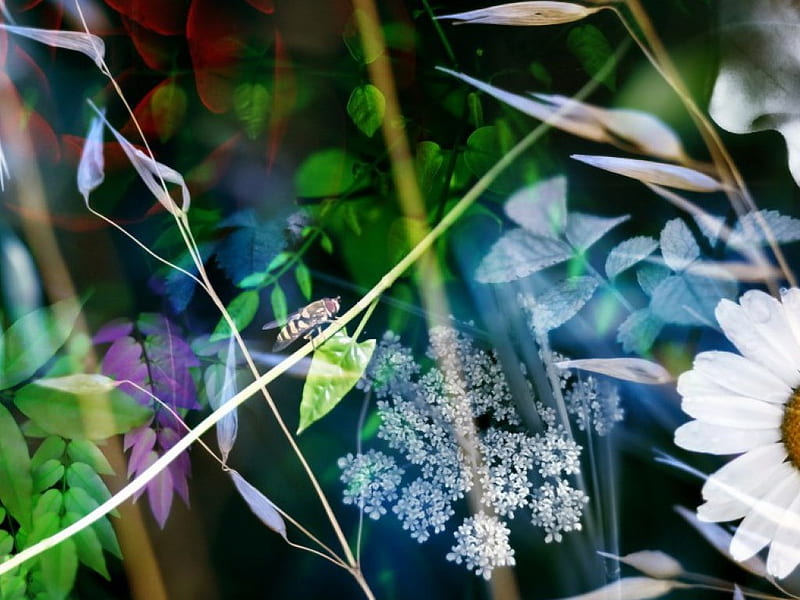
759, 330
784, 552
761, 523
716, 510
713, 439
746, 473
791, 307
733, 411
716, 371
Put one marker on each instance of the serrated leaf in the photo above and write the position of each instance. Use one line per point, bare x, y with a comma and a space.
366, 107
87, 544
59, 567
33, 340
540, 208
251, 106
561, 302
336, 367
648, 171
519, 253
628, 253
535, 12
242, 309
591, 47
87, 452
51, 448
327, 173
584, 230
80, 406
649, 276
47, 475
678, 246
83, 476
259, 504
303, 278
748, 231
250, 247
638, 332
16, 483
690, 300
653, 563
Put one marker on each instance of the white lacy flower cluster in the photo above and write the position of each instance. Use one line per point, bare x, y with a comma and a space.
594, 404
430, 419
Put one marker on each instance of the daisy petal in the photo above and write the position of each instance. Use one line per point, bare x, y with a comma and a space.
717, 511
761, 523
745, 473
784, 552
733, 411
716, 371
759, 330
791, 308
714, 439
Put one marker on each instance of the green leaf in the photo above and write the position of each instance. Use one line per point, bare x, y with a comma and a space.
251, 105
6, 546
325, 242
87, 452
242, 310
80, 406
325, 174
33, 340
76, 500
366, 108
592, 49
363, 48
336, 367
51, 448
12, 587
429, 161
48, 503
16, 483
59, 566
303, 277
90, 551
83, 476
487, 145
278, 301
168, 106
47, 475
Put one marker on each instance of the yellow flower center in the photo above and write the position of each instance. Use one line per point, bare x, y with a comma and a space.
790, 428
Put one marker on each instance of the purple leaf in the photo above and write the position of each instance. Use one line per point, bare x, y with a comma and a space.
260, 505
143, 443
123, 361
110, 332
159, 494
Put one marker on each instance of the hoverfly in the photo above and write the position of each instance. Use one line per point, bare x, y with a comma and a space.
305, 322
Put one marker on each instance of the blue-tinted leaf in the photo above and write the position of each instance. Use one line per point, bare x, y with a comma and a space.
748, 231
336, 367
518, 254
678, 246
80, 406
584, 230
541, 208
649, 276
16, 484
259, 504
33, 340
251, 247
690, 300
628, 253
561, 302
638, 332
242, 309
180, 288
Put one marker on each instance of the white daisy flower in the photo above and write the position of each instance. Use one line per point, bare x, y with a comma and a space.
750, 405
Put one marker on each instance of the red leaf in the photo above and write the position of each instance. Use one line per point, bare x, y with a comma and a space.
265, 6
283, 98
156, 50
162, 110
166, 17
